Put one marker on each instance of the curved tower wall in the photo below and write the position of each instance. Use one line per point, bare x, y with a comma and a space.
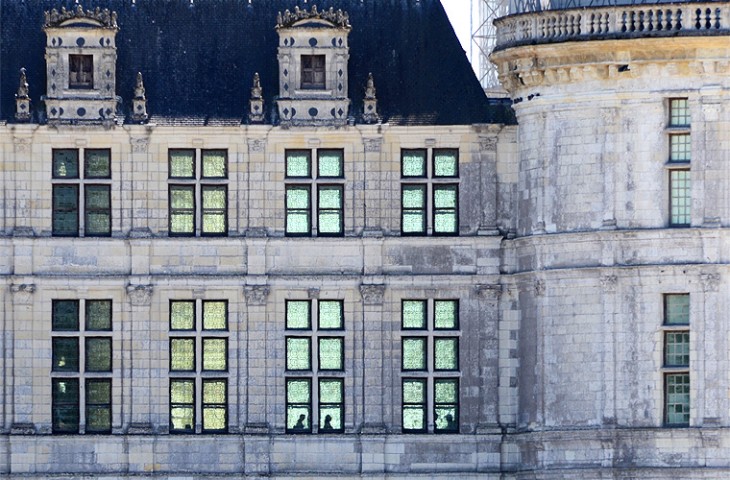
596, 253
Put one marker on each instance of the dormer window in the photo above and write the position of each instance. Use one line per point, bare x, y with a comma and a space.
80, 71
313, 72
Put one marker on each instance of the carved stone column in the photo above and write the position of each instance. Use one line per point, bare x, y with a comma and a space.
371, 192
487, 155
20, 181
252, 415
20, 356
135, 176
257, 359
377, 367
137, 372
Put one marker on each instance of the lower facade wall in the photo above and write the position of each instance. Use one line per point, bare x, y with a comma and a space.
270, 456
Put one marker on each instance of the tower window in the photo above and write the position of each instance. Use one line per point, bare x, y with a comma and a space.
80, 71
313, 72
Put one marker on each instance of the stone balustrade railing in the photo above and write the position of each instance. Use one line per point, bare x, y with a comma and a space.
625, 21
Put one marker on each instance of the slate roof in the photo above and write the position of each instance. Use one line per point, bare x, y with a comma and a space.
198, 58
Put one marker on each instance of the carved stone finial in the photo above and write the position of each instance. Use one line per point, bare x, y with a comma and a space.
256, 104
370, 102
22, 100
338, 19
139, 102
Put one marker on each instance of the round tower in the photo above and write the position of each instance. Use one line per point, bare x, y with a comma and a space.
620, 258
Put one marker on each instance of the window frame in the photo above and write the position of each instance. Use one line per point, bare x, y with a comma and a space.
323, 211
81, 335
207, 406
429, 183
299, 211
314, 83
423, 405
81, 61
323, 405
192, 405
308, 405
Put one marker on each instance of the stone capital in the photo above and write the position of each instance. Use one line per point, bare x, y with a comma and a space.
372, 294
256, 295
140, 295
22, 293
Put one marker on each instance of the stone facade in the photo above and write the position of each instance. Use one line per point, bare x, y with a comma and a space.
566, 249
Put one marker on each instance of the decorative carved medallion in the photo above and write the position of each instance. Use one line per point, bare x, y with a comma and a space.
373, 144
710, 281
609, 282
257, 145
140, 145
488, 144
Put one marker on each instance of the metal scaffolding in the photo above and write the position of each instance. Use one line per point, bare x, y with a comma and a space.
484, 38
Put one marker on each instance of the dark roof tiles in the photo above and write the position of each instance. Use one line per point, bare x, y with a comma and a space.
198, 59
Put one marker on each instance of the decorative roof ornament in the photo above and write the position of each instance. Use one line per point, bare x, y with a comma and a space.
256, 104
22, 99
22, 86
106, 18
338, 18
139, 102
139, 91
370, 102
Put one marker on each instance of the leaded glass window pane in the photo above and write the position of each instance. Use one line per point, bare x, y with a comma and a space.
446, 354
182, 354
65, 315
446, 162
298, 163
331, 352
414, 353
214, 209
182, 315
65, 354
677, 398
215, 352
98, 217
99, 315
446, 314
330, 210
676, 349
330, 163
413, 163
446, 419
99, 354
65, 209
65, 405
65, 163
214, 405
680, 194
214, 163
680, 148
679, 115
331, 405
330, 315
97, 163
446, 391
298, 353
414, 405
414, 314
446, 405
676, 309
445, 209
298, 405
297, 210
298, 315
182, 408
182, 210
98, 406
215, 315
182, 163
413, 202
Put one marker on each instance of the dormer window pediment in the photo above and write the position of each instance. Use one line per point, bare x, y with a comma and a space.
313, 57
80, 65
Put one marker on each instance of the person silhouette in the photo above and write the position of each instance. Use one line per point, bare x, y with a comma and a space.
327, 427
450, 423
300, 423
